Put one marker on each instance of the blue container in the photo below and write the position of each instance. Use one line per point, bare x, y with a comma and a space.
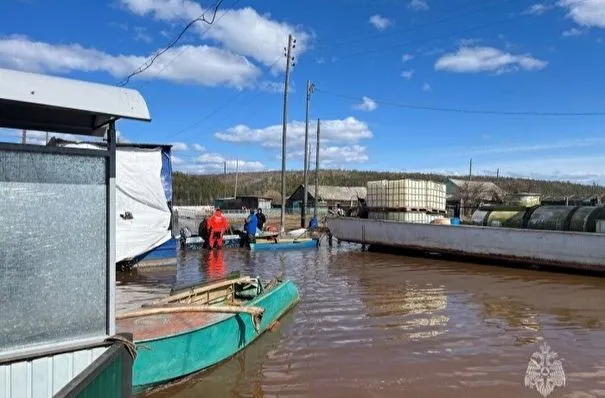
455, 221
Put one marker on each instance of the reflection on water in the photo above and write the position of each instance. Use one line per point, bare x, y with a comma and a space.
379, 325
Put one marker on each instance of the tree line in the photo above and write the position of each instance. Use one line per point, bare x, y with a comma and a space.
192, 190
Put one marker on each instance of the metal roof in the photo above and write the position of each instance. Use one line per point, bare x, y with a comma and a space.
48, 103
327, 192
484, 185
54, 141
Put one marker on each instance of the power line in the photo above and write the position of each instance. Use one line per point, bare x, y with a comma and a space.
150, 62
224, 105
366, 37
462, 110
446, 36
424, 41
180, 53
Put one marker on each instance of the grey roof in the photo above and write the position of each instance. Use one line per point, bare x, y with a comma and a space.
485, 185
346, 194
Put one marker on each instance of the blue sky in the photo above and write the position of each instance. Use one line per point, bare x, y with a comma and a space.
217, 95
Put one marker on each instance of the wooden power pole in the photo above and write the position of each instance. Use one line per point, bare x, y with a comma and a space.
303, 219
316, 172
289, 62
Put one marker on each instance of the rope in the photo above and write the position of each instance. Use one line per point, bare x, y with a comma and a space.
129, 345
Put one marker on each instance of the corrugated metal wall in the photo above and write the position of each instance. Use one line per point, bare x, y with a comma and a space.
43, 377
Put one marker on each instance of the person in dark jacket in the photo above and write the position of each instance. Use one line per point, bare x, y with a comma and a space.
261, 218
250, 227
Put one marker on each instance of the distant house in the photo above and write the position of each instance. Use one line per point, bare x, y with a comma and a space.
249, 202
473, 191
327, 196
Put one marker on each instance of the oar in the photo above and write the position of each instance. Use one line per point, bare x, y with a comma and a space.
231, 275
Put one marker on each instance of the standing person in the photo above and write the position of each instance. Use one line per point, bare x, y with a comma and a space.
217, 225
203, 232
339, 210
262, 219
251, 225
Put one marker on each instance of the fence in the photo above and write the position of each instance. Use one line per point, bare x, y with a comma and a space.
110, 375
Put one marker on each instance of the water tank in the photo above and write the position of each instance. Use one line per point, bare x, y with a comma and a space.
508, 218
585, 218
551, 218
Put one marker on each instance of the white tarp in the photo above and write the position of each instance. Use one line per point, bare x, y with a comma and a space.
139, 190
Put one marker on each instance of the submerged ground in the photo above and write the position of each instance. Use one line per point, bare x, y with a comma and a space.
381, 325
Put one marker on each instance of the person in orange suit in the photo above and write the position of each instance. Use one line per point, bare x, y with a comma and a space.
217, 225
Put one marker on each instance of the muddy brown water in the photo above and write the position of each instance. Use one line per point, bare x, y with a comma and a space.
384, 325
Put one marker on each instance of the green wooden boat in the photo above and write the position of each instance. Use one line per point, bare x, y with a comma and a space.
198, 327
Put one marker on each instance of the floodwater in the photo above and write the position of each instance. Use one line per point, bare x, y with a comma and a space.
383, 325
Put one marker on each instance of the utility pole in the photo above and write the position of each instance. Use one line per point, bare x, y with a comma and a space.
303, 219
24, 137
497, 173
236, 172
470, 169
289, 62
225, 179
316, 172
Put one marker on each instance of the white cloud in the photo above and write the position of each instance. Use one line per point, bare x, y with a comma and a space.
275, 86
179, 146
408, 73
426, 87
486, 59
367, 104
420, 5
214, 162
335, 155
537, 9
243, 31
349, 130
432, 51
576, 143
211, 158
572, 32
406, 57
468, 42
588, 13
140, 34
581, 169
202, 65
198, 147
379, 22
176, 160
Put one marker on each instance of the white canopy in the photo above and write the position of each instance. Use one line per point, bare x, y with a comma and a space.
49, 103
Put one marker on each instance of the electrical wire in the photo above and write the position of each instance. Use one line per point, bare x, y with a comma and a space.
223, 106
462, 110
150, 62
183, 49
425, 41
366, 37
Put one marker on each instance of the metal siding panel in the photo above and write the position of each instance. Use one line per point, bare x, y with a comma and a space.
81, 360
4, 382
42, 377
18, 379
62, 371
